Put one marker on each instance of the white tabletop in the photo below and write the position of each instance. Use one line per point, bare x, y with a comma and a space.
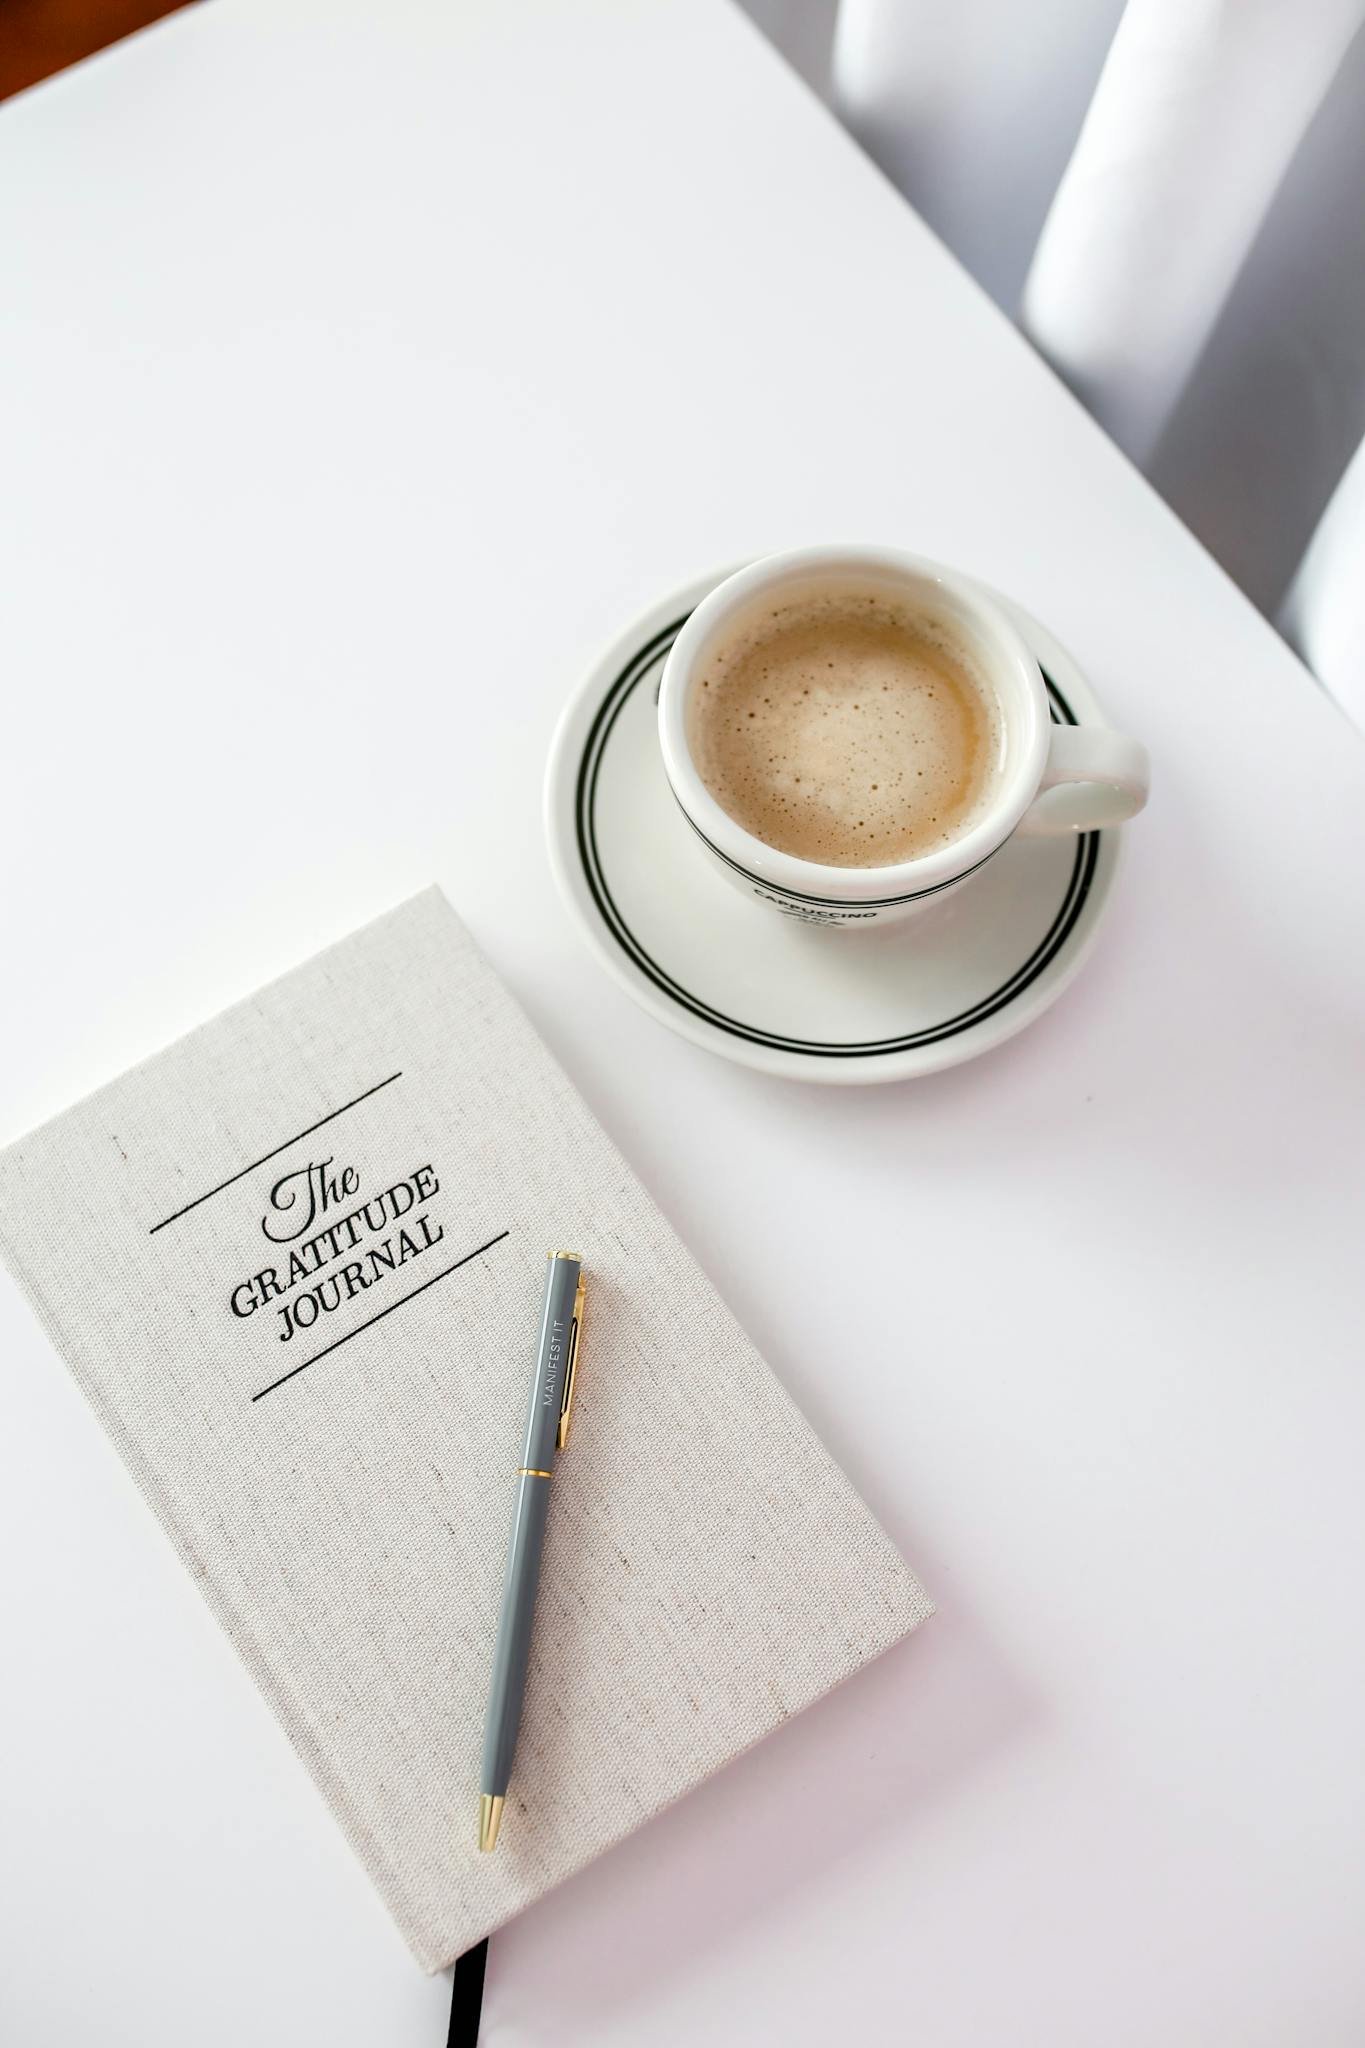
363, 367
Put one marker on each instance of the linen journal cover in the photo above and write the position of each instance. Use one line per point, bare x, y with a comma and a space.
296, 1264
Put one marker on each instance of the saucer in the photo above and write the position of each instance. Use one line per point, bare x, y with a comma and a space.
768, 991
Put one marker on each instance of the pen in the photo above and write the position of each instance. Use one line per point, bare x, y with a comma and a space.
547, 1431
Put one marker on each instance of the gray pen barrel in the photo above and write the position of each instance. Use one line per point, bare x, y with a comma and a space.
553, 1351
552, 1364
514, 1633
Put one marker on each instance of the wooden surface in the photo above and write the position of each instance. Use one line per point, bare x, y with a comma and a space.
38, 37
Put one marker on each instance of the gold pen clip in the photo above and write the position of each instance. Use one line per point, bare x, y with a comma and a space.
571, 1376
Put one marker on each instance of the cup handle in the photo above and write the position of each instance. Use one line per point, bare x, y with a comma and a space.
1093, 777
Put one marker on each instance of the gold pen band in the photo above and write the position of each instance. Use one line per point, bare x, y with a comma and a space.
531, 1472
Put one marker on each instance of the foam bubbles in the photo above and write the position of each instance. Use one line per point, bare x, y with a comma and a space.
846, 729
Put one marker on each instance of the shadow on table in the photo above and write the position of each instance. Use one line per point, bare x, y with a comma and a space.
860, 1764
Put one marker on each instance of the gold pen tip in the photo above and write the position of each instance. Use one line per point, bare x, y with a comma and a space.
490, 1818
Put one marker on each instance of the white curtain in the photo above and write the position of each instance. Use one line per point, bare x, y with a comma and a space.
1169, 195
1325, 611
973, 110
1198, 110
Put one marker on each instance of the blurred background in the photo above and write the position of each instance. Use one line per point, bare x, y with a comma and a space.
1167, 196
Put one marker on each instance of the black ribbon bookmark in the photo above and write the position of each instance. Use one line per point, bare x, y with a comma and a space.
466, 1998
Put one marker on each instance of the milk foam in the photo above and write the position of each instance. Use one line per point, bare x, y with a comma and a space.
846, 729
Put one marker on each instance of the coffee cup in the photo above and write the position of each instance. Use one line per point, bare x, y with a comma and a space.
829, 706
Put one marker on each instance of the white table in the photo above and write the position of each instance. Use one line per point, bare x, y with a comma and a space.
363, 366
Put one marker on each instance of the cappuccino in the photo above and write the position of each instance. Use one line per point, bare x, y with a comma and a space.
847, 728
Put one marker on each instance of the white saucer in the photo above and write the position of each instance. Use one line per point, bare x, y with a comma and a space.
766, 990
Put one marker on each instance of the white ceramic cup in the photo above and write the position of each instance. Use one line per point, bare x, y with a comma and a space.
1051, 778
